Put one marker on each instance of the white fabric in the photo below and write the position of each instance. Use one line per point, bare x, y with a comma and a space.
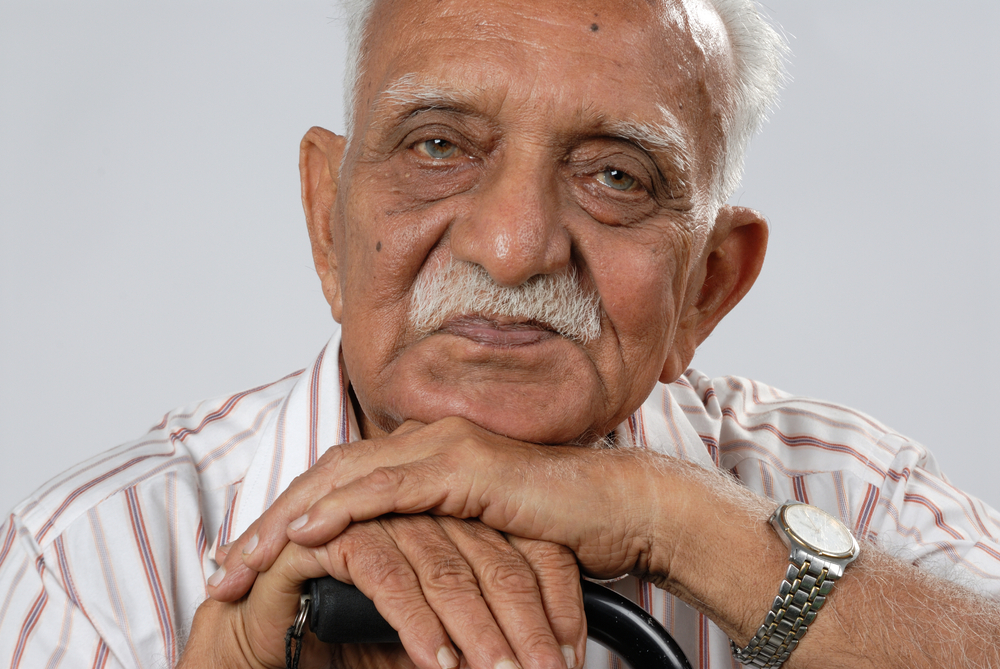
105, 565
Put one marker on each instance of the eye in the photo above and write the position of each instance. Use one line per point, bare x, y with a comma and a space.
616, 179
438, 149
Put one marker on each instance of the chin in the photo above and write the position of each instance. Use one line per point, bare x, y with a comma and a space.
548, 394
514, 417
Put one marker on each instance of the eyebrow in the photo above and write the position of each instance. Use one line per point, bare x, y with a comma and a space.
407, 92
654, 137
659, 137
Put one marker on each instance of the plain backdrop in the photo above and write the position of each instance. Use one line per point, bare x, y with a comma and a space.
153, 250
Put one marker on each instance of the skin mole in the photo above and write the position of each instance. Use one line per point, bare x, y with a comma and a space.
594, 27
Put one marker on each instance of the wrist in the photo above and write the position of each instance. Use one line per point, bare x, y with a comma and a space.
715, 549
820, 549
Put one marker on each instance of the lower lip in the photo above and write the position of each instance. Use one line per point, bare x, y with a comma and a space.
491, 334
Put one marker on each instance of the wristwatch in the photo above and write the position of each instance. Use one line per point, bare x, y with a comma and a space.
821, 547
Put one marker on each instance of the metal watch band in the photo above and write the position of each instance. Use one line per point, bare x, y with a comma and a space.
802, 595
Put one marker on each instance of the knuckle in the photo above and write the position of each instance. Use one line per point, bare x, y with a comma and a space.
485, 637
547, 554
414, 621
567, 619
394, 579
450, 578
540, 651
330, 458
386, 573
454, 424
385, 478
556, 565
509, 576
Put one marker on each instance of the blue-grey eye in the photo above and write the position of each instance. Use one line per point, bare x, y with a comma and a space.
616, 179
438, 149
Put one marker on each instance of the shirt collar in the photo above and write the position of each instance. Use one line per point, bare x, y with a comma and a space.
316, 415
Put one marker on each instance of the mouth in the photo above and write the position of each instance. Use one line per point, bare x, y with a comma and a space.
498, 331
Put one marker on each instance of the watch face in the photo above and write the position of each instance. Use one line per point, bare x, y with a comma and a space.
819, 530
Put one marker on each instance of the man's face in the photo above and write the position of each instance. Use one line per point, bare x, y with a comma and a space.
528, 138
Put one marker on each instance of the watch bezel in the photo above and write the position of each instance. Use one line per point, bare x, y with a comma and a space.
789, 530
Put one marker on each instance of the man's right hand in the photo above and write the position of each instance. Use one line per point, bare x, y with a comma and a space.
442, 582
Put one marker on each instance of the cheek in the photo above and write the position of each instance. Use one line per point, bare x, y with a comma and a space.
385, 247
641, 282
387, 241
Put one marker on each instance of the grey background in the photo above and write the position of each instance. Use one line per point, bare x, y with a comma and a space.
153, 251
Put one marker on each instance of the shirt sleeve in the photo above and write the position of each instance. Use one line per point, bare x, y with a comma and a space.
886, 487
920, 517
41, 624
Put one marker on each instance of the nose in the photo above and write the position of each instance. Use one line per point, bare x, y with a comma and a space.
514, 229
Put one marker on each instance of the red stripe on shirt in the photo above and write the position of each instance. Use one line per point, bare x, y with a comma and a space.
152, 573
26, 628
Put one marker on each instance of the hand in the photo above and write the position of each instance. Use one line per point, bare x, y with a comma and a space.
256, 549
250, 633
607, 505
436, 580
602, 503
620, 511
535, 600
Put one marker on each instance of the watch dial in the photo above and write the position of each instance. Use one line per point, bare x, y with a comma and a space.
819, 529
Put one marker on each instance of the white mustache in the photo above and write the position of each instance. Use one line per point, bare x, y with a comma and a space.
460, 288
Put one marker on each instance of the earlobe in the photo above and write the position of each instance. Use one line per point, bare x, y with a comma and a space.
726, 272
320, 155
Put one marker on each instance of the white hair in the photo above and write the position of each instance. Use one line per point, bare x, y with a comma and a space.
758, 54
458, 288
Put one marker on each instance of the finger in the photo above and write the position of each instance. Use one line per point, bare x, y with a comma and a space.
558, 494
272, 605
270, 537
558, 577
263, 547
385, 490
233, 579
367, 556
221, 551
407, 427
510, 588
456, 595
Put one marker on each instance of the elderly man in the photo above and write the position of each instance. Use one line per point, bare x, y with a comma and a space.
524, 240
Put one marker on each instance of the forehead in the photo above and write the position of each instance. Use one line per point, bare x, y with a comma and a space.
625, 60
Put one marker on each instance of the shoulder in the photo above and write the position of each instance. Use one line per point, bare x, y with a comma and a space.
878, 481
799, 435
201, 446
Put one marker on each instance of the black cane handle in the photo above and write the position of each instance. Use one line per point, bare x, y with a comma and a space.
340, 613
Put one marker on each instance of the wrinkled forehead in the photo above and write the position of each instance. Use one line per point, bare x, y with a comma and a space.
629, 60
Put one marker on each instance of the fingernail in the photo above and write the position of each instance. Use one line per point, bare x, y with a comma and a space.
252, 544
570, 656
447, 658
299, 522
506, 664
216, 578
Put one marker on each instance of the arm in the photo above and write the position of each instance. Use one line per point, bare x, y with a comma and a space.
668, 521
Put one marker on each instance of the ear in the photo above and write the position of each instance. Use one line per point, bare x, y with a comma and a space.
727, 269
320, 155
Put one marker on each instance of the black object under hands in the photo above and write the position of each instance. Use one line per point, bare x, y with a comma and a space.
340, 613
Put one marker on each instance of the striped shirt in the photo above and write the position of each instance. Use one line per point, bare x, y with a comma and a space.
105, 565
